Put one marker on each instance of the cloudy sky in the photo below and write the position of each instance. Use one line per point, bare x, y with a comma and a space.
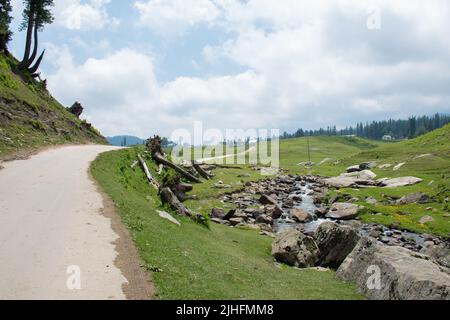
152, 66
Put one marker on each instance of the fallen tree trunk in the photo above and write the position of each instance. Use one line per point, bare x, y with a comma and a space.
167, 196
200, 170
161, 160
150, 179
184, 187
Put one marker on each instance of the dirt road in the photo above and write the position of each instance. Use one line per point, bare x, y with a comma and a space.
55, 243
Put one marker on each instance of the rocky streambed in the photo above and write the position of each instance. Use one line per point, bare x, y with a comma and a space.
301, 203
310, 229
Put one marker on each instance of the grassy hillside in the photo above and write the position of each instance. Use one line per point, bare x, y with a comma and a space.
193, 262
30, 117
426, 157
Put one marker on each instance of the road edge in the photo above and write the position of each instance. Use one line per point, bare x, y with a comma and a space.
128, 260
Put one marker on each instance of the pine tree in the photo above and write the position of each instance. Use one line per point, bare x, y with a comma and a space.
5, 20
36, 14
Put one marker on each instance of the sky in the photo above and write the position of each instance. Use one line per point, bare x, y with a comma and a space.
154, 66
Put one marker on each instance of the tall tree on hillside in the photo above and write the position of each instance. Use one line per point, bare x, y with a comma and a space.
5, 20
36, 15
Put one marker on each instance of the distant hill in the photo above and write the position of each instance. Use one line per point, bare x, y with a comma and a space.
125, 141
31, 118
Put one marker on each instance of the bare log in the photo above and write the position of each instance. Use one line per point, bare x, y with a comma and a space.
167, 196
150, 179
200, 170
158, 157
184, 187
134, 164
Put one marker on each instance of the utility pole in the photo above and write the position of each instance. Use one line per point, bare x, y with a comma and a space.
309, 151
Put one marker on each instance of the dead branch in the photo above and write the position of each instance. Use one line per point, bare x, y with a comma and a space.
167, 196
150, 178
200, 170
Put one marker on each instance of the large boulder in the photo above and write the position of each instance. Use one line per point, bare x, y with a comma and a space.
394, 273
335, 243
344, 211
301, 215
361, 175
218, 213
76, 109
418, 197
340, 182
355, 168
440, 253
296, 249
399, 182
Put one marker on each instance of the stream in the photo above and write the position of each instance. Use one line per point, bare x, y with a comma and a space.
305, 191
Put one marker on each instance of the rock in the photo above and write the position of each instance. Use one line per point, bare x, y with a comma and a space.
267, 234
222, 186
244, 175
274, 211
353, 169
250, 226
397, 167
264, 219
218, 213
404, 274
440, 253
385, 166
289, 203
230, 214
76, 109
344, 211
418, 197
426, 219
335, 243
235, 221
399, 182
306, 164
321, 211
340, 182
367, 165
385, 240
265, 199
371, 200
168, 217
218, 221
301, 215
361, 175
296, 249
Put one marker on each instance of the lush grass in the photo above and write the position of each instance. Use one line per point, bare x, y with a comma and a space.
200, 263
342, 152
434, 169
30, 117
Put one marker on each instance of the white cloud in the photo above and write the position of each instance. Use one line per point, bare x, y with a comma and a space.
175, 16
305, 65
75, 15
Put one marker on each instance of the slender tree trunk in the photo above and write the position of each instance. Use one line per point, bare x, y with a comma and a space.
26, 54
35, 68
36, 45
